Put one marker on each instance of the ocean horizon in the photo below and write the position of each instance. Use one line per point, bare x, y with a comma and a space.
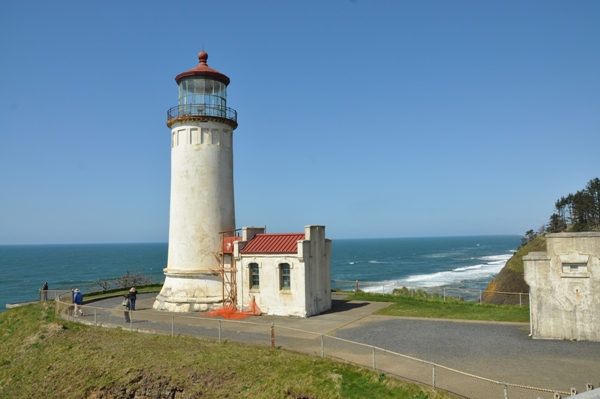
467, 262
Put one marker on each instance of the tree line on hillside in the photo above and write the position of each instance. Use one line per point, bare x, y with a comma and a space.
579, 211
575, 212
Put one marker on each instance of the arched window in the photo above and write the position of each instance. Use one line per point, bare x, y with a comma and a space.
254, 276
284, 276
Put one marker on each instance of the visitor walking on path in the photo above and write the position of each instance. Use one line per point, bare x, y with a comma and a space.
78, 300
45, 291
132, 298
126, 306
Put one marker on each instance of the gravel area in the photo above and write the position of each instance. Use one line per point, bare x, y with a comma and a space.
499, 351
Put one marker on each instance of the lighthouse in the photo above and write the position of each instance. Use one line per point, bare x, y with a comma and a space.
202, 200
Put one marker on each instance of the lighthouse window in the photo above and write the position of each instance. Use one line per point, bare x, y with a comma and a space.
284, 276
254, 276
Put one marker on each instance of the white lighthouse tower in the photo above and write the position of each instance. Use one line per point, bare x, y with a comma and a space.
202, 204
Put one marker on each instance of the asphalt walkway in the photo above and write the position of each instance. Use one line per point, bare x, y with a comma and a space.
498, 351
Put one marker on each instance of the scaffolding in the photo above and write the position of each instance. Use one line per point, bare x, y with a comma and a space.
225, 260
226, 267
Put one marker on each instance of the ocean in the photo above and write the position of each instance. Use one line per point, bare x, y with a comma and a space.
378, 264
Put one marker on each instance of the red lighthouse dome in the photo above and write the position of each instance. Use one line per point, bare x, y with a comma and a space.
203, 70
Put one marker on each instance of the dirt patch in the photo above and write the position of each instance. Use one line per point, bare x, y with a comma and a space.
146, 387
150, 386
300, 396
48, 331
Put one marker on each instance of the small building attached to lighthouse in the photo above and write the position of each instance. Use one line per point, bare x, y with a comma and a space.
286, 274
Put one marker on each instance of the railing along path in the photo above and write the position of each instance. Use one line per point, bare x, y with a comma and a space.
313, 343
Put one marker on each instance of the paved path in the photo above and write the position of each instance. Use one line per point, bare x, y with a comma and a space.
499, 351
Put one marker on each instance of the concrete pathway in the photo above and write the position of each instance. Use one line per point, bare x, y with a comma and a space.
498, 351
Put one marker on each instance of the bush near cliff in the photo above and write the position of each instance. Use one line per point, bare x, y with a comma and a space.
510, 279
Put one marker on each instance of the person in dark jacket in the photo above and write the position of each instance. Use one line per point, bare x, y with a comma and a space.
77, 300
132, 297
126, 306
45, 291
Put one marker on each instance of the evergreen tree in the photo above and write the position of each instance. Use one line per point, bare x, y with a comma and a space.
579, 211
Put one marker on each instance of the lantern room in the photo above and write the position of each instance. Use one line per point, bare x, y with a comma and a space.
196, 91
202, 92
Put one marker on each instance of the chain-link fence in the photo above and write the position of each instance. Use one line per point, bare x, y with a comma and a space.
126, 281
315, 344
444, 292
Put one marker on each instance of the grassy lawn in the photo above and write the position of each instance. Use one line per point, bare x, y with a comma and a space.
435, 307
47, 357
145, 289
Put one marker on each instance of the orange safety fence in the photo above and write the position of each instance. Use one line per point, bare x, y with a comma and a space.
230, 312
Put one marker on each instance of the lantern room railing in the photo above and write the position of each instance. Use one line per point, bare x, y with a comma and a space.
202, 110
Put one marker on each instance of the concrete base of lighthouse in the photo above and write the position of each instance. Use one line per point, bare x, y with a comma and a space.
189, 291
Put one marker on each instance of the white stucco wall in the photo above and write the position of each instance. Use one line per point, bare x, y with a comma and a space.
202, 205
310, 277
269, 297
316, 250
202, 198
564, 281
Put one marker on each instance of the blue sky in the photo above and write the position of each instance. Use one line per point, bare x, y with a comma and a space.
373, 118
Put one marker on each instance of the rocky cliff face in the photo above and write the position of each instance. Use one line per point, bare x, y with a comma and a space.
501, 290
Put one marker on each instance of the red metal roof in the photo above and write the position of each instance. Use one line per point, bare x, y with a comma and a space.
285, 243
203, 70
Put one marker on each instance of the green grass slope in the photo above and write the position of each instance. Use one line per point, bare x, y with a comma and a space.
46, 357
510, 278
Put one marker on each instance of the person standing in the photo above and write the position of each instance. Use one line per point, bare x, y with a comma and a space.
126, 307
45, 291
132, 297
78, 300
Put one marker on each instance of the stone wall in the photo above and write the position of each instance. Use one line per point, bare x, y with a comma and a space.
565, 287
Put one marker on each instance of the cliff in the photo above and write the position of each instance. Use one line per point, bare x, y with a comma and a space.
510, 279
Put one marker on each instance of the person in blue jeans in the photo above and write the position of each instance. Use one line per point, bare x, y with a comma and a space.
132, 297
